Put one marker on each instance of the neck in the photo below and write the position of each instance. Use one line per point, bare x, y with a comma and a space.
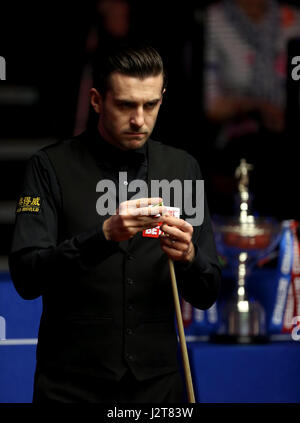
107, 138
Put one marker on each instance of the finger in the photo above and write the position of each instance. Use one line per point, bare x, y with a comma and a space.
148, 220
174, 244
138, 223
175, 233
141, 218
126, 207
152, 201
143, 202
148, 211
172, 253
180, 223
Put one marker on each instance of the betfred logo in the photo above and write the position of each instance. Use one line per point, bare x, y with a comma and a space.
153, 232
156, 232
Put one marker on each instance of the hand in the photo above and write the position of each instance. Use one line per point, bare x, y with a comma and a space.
131, 217
176, 241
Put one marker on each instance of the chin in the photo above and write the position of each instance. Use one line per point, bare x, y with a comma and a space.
133, 143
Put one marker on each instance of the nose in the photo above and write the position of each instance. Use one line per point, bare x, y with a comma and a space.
137, 117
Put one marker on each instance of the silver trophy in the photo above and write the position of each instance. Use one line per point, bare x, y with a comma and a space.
244, 240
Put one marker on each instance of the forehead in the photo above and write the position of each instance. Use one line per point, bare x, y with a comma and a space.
134, 88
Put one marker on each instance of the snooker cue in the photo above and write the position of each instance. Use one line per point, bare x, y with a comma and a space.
184, 353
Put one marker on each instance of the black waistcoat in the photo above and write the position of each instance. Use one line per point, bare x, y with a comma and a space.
120, 312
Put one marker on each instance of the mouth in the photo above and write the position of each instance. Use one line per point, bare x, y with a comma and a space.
140, 134
136, 134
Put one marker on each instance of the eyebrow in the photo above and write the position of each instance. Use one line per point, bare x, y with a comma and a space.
124, 100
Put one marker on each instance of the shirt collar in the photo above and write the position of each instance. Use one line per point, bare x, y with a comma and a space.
106, 153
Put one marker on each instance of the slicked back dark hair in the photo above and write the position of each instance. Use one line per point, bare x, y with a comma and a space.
136, 61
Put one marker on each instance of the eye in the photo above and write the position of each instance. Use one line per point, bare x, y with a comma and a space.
151, 104
125, 104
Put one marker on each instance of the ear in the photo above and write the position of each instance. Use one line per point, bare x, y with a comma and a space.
96, 100
161, 99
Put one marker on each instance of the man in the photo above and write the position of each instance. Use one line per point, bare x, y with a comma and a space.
107, 329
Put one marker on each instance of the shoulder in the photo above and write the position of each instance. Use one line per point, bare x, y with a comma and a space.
174, 156
41, 163
54, 145
61, 151
63, 145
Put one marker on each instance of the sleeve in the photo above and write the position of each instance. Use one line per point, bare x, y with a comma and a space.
199, 282
36, 254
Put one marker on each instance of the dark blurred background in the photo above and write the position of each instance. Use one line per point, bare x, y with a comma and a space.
48, 47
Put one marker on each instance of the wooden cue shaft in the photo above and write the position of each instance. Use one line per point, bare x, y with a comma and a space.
184, 353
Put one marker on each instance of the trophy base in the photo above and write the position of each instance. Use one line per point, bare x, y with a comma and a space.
239, 339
